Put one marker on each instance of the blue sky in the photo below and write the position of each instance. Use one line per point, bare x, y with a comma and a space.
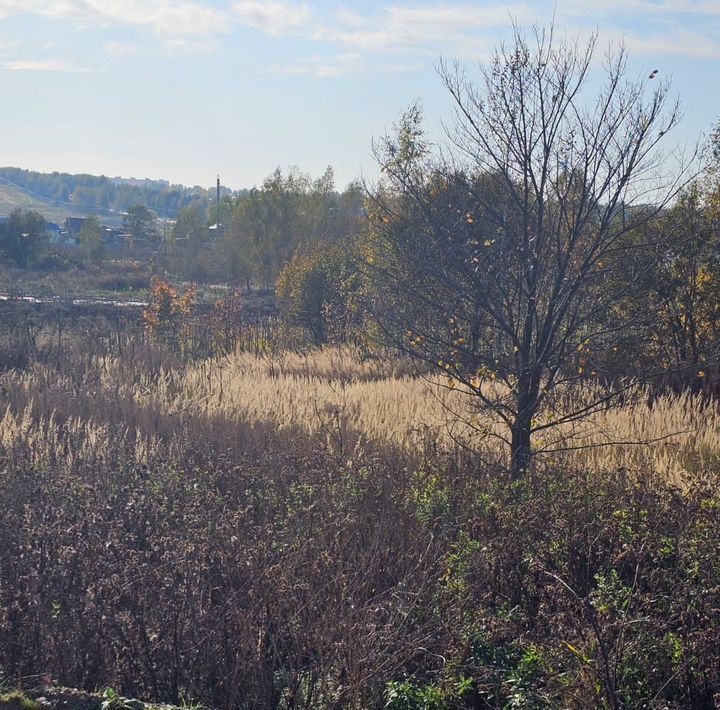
185, 89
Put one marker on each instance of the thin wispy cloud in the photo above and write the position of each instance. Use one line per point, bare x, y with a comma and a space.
394, 27
167, 18
678, 28
649, 44
468, 30
676, 43
8, 8
646, 8
459, 30
46, 65
274, 18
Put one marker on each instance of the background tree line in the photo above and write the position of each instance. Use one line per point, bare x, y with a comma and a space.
248, 239
102, 194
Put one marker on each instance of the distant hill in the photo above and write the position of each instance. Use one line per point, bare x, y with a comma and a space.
60, 195
12, 197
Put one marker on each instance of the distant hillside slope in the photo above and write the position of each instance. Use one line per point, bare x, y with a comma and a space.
58, 195
12, 197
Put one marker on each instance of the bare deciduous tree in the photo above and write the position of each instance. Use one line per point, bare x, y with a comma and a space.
505, 258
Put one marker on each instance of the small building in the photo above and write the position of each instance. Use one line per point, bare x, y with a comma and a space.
73, 225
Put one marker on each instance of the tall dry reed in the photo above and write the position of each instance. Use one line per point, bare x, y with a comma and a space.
344, 397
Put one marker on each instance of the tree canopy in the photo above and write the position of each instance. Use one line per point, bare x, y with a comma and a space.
22, 236
141, 223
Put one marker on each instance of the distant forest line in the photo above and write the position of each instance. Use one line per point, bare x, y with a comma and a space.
101, 194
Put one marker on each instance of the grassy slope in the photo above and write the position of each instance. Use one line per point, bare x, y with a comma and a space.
12, 197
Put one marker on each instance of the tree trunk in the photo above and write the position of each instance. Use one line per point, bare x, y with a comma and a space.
520, 450
520, 446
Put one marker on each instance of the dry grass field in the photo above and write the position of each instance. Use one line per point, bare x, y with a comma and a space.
346, 398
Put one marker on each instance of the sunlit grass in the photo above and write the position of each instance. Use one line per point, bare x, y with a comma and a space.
340, 395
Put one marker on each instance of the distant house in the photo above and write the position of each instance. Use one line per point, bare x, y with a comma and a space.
73, 225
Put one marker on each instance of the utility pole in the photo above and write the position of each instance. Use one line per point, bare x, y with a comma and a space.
217, 206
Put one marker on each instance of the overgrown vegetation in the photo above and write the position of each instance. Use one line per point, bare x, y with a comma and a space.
264, 531
472, 463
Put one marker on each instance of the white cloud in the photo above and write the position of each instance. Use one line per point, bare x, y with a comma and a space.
8, 8
120, 49
274, 18
654, 43
646, 8
167, 18
393, 27
46, 65
347, 17
431, 30
678, 43
452, 28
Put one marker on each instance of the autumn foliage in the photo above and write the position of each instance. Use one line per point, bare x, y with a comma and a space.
167, 312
